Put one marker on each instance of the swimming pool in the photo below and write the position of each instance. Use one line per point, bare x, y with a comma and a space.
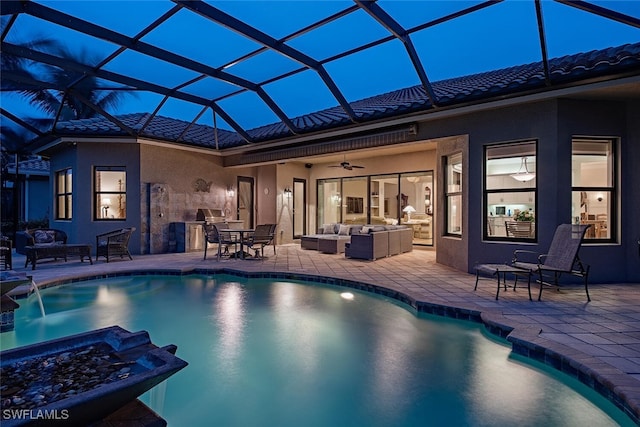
270, 352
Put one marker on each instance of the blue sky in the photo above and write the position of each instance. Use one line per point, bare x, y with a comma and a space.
499, 36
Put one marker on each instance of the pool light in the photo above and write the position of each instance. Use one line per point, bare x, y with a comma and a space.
347, 295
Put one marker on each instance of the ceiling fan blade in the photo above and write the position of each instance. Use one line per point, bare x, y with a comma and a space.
359, 167
347, 167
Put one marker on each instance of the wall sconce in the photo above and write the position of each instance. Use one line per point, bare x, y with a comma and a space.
287, 192
230, 191
599, 197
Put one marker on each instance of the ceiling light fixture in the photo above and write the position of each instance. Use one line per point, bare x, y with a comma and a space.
523, 174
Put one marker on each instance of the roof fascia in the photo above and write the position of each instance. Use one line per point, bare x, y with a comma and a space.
444, 113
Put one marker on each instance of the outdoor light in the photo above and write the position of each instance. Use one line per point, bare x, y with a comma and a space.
523, 174
230, 191
287, 191
408, 210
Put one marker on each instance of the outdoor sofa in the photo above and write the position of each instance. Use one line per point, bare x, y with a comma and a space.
360, 241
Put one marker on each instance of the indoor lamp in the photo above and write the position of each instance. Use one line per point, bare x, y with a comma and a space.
523, 173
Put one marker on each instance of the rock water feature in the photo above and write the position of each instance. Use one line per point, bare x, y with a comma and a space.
82, 378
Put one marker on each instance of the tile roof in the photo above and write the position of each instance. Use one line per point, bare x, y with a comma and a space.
461, 90
33, 166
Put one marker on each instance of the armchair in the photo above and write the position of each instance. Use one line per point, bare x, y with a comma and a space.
114, 243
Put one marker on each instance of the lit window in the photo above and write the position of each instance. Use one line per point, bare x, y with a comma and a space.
510, 191
64, 195
110, 193
593, 186
453, 194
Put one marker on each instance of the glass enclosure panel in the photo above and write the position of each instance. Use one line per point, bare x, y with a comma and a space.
454, 211
329, 201
355, 203
592, 164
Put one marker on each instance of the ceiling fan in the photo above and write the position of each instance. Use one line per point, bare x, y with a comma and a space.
346, 165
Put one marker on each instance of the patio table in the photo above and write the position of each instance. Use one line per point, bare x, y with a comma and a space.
241, 234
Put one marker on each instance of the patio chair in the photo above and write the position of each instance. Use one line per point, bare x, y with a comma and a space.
223, 238
114, 243
261, 237
561, 258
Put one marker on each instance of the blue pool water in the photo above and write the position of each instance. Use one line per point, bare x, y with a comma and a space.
277, 353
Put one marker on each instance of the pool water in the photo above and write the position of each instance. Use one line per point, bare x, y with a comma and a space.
278, 353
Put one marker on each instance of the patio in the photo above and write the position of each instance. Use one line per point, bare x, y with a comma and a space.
598, 341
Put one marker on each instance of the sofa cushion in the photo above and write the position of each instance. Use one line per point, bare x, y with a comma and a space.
44, 236
329, 229
344, 230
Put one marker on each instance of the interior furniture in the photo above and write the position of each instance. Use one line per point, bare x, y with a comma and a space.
504, 269
114, 243
562, 258
519, 229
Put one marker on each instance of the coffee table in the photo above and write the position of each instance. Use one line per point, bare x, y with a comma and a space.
333, 244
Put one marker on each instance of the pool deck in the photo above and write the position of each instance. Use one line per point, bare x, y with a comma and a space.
597, 341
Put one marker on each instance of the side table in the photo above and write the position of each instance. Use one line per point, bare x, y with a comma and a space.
497, 269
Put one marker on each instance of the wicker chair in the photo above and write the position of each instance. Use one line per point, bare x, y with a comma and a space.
114, 243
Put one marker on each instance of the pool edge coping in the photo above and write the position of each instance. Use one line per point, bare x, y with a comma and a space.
606, 380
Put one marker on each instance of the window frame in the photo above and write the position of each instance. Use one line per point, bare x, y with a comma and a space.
98, 194
613, 209
65, 195
486, 191
449, 195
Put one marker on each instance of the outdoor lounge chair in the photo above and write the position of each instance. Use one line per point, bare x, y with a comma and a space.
561, 258
261, 237
114, 243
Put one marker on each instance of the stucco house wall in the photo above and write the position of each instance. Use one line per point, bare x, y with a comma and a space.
552, 123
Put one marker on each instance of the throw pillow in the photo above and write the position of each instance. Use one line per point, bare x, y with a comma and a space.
329, 229
344, 230
44, 236
365, 229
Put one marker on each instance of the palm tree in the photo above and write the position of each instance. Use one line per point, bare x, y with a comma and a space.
76, 96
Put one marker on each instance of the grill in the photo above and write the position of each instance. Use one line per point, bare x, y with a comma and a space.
210, 215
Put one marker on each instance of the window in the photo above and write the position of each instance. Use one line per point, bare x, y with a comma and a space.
64, 195
453, 194
510, 191
593, 186
110, 193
